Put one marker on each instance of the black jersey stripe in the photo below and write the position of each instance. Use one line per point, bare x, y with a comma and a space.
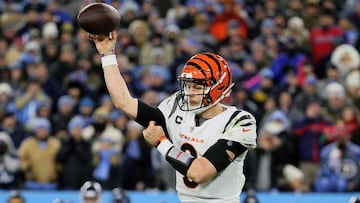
247, 124
245, 117
230, 119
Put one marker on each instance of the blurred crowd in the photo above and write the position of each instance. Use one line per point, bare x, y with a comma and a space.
296, 66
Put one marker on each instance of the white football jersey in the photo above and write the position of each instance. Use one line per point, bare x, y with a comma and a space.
232, 125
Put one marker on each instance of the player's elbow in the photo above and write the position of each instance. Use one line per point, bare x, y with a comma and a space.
118, 103
122, 102
201, 171
198, 176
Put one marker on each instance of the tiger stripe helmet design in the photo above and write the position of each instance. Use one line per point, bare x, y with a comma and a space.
210, 70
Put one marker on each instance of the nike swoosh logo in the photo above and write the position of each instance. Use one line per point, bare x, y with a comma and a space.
245, 130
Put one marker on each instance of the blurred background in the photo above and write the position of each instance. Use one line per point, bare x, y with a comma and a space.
296, 65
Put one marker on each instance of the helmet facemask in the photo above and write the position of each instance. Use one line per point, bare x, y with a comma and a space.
206, 101
184, 94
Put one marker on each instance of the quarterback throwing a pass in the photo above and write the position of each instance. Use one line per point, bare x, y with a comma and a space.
204, 140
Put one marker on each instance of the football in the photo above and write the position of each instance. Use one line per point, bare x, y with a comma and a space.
98, 18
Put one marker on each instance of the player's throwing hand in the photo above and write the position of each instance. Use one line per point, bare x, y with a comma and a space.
104, 45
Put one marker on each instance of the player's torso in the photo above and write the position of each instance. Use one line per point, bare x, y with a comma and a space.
183, 130
196, 140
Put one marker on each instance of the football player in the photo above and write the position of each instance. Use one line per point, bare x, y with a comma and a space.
204, 140
15, 197
91, 192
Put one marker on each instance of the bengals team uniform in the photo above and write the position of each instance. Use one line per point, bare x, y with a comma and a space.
233, 125
217, 139
232, 130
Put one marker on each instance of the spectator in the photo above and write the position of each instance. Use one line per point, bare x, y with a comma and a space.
219, 27
339, 163
332, 75
238, 51
27, 102
289, 58
165, 57
276, 149
259, 53
13, 128
43, 110
140, 33
6, 99
74, 156
200, 31
296, 29
164, 174
119, 196
38, 158
106, 163
267, 29
305, 70
76, 91
291, 82
350, 30
272, 8
352, 85
309, 93
86, 108
129, 12
61, 118
50, 86
175, 13
242, 101
311, 13
192, 8
308, 131
335, 101
265, 89
66, 63
119, 120
322, 49
251, 197
103, 126
294, 179
18, 79
288, 107
272, 44
9, 163
345, 58
105, 101
136, 163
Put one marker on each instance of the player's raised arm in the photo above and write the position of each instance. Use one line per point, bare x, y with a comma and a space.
115, 83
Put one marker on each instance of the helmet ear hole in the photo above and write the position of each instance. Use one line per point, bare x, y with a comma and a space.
212, 81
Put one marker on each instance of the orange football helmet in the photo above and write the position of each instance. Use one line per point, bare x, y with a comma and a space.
210, 70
